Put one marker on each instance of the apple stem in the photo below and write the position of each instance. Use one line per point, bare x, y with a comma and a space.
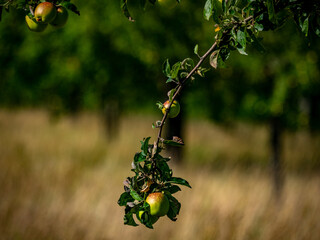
31, 10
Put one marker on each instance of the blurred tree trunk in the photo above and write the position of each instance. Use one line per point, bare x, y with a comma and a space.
314, 113
111, 119
276, 161
175, 128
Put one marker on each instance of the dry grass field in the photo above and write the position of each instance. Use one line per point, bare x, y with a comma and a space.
62, 179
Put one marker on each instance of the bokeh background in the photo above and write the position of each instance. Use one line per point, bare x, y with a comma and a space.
76, 101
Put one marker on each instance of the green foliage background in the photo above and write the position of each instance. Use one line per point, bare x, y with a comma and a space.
101, 57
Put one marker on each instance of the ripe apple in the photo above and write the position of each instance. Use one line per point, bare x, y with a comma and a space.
45, 12
61, 18
174, 110
35, 26
154, 219
159, 204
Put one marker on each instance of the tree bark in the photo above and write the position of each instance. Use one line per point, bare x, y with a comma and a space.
276, 160
111, 118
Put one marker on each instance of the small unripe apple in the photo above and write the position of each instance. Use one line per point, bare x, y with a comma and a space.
159, 204
45, 12
35, 26
174, 110
153, 219
61, 17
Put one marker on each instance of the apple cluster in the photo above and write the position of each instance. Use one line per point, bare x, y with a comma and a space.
44, 14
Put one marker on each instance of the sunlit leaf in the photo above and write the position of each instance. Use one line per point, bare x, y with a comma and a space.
180, 181
207, 11
271, 11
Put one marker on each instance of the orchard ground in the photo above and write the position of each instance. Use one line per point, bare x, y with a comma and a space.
61, 179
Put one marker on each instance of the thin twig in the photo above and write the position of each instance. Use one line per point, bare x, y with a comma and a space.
31, 10
180, 86
183, 82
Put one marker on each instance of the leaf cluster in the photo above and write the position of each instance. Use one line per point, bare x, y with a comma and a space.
151, 174
239, 22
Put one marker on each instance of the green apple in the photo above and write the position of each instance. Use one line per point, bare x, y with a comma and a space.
159, 204
34, 26
45, 12
61, 18
174, 110
153, 219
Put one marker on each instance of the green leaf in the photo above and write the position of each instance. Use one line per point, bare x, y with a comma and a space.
166, 172
208, 10
145, 146
160, 105
158, 156
195, 50
169, 80
242, 51
71, 7
305, 26
223, 55
217, 11
187, 64
124, 198
232, 2
241, 38
128, 219
135, 195
174, 188
259, 27
256, 43
166, 68
173, 143
317, 30
224, 7
171, 94
271, 11
125, 11
145, 219
180, 181
175, 70
174, 207
139, 157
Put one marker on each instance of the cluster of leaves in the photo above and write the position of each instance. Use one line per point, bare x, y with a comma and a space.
152, 174
239, 22
180, 70
30, 5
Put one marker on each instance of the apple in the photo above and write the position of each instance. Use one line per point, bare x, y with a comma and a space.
34, 26
159, 204
61, 17
174, 110
45, 12
154, 219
